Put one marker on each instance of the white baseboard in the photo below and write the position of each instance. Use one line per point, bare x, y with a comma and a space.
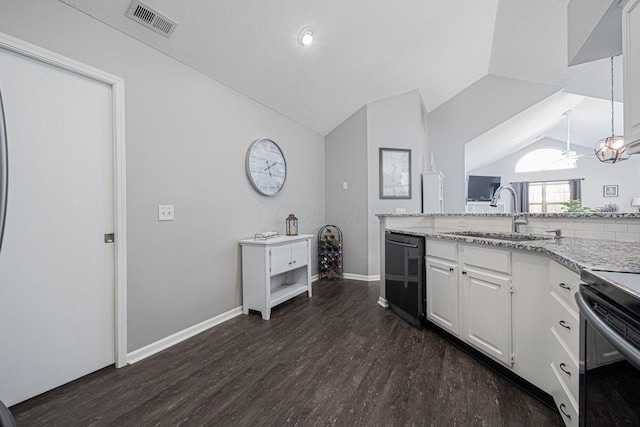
361, 277
315, 278
164, 343
383, 302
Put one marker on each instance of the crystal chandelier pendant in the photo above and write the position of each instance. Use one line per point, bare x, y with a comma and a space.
611, 149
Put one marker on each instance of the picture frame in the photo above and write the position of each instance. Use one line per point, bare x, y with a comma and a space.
609, 191
395, 173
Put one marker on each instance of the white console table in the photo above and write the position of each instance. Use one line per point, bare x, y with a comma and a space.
274, 271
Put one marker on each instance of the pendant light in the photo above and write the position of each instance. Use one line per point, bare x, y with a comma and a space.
612, 148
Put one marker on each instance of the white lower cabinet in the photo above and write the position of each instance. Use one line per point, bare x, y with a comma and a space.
274, 271
566, 404
563, 341
486, 304
443, 293
469, 295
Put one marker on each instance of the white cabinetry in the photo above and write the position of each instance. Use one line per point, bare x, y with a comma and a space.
563, 341
631, 70
432, 192
530, 327
274, 271
469, 295
442, 285
486, 300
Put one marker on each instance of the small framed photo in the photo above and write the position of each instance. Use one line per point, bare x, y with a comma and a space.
395, 173
610, 191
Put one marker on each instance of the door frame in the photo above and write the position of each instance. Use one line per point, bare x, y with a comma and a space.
116, 85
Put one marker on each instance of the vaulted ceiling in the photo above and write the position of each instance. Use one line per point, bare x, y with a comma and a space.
365, 50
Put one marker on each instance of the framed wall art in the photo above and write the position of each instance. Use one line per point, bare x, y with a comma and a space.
610, 191
395, 173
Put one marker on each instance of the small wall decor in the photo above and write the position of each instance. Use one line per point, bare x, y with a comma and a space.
610, 191
395, 173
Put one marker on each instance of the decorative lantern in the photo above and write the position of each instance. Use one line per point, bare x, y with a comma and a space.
292, 225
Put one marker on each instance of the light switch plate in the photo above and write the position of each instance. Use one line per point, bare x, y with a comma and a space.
165, 213
400, 211
345, 185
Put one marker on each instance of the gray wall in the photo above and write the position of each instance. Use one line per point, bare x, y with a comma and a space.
186, 137
393, 122
479, 108
346, 161
596, 174
352, 154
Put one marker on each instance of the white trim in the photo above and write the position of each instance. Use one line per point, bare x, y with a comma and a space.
116, 84
164, 343
315, 278
383, 302
361, 277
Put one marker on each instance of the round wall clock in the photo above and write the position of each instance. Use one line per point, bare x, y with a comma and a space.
266, 167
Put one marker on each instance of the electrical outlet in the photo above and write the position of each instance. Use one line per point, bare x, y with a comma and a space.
462, 223
165, 213
345, 185
400, 211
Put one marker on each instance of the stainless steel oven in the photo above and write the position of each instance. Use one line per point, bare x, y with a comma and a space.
609, 305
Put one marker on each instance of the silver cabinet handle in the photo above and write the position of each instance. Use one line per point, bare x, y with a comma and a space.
405, 245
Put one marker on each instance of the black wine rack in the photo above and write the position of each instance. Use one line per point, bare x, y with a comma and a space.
330, 253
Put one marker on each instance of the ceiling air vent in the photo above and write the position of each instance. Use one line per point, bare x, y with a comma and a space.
151, 18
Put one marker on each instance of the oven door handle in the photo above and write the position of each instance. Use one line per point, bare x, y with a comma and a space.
631, 353
404, 245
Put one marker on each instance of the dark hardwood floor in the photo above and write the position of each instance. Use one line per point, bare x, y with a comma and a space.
335, 359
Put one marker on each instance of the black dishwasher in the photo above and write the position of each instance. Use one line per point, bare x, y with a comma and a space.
405, 276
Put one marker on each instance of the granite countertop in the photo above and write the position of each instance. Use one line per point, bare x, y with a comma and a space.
573, 253
528, 215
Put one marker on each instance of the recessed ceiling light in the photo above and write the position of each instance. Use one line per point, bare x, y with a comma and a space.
305, 37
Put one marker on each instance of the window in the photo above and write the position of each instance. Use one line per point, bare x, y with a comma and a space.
545, 197
544, 159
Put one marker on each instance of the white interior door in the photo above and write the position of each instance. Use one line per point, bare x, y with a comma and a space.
57, 319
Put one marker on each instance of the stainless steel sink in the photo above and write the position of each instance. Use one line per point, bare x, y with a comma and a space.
514, 237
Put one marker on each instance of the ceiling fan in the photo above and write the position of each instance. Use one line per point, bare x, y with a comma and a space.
569, 156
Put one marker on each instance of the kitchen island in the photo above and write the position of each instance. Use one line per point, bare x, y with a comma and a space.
510, 298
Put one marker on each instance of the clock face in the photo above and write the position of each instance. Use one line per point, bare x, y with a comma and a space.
266, 167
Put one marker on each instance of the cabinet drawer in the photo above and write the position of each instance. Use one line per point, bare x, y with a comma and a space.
564, 362
565, 403
448, 251
565, 282
565, 322
488, 259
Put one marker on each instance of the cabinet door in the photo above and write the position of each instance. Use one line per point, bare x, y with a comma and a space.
442, 294
486, 304
299, 254
631, 60
280, 259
